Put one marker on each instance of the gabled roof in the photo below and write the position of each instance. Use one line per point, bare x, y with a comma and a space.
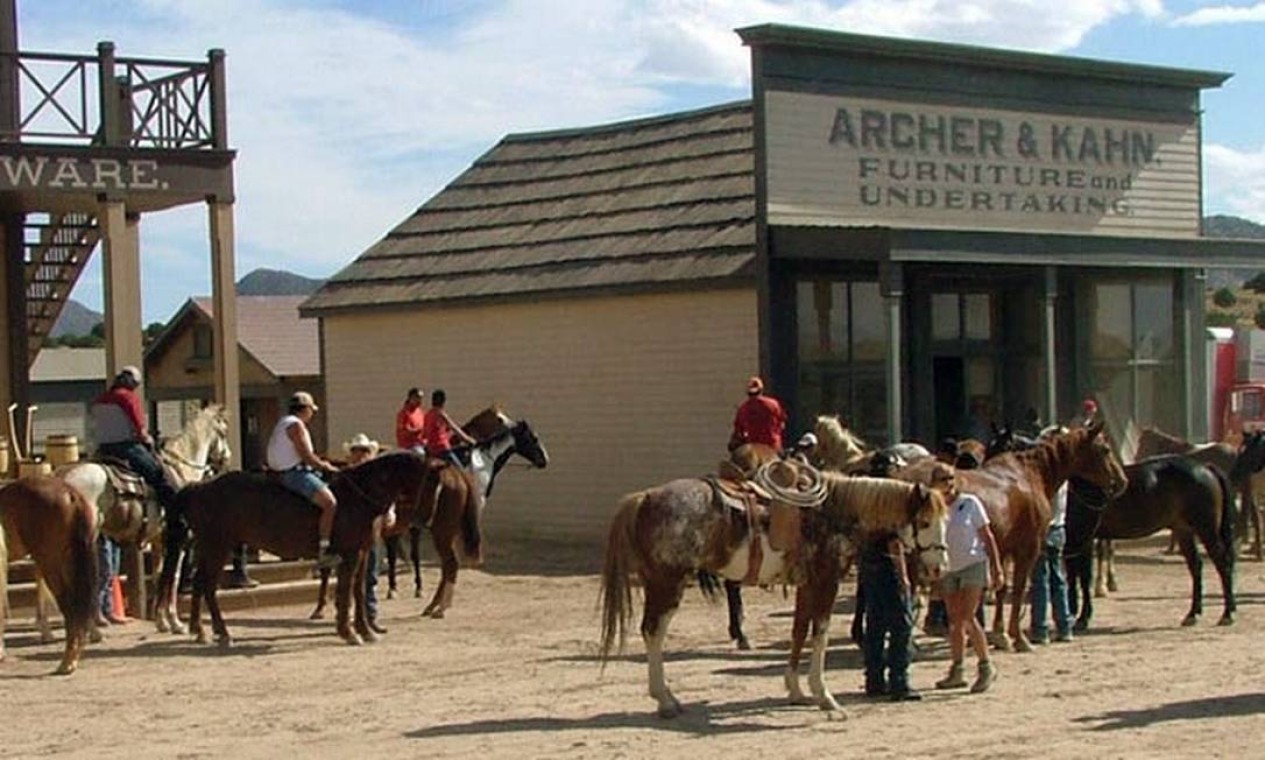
61, 364
642, 203
268, 328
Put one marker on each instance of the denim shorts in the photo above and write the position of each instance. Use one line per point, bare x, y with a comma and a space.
302, 481
971, 576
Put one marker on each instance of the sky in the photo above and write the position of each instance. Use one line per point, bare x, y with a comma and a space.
347, 115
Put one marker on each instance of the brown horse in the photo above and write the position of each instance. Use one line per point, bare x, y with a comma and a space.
242, 507
1153, 442
1016, 489
449, 509
668, 533
51, 521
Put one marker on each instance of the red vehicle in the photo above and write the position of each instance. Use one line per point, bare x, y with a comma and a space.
1237, 383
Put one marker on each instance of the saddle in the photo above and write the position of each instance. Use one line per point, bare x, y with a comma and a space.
743, 499
130, 492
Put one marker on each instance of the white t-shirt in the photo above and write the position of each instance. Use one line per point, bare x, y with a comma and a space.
282, 454
1059, 517
966, 517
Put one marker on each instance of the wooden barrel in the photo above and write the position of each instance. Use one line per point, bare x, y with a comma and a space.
33, 468
61, 449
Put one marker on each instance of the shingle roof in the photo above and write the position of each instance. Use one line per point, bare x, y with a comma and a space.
270, 329
640, 203
63, 364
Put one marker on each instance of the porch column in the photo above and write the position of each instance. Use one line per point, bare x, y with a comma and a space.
14, 375
121, 276
1047, 345
1194, 354
892, 277
224, 328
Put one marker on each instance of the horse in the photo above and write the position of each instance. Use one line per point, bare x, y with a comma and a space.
498, 438
1153, 441
841, 451
667, 533
1016, 489
243, 507
198, 450
1194, 499
56, 526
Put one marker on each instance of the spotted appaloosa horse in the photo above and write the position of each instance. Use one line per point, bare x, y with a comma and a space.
56, 526
666, 534
1016, 489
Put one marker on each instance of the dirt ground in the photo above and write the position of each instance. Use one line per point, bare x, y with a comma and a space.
511, 673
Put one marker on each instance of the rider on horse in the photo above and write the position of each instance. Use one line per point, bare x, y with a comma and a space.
290, 453
122, 433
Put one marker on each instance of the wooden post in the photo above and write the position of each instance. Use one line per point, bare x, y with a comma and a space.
224, 327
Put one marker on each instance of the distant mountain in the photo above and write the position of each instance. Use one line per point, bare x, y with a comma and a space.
1231, 227
75, 319
274, 282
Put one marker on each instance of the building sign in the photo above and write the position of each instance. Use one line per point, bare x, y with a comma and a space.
856, 162
78, 173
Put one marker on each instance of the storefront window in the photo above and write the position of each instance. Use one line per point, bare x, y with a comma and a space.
842, 339
1133, 356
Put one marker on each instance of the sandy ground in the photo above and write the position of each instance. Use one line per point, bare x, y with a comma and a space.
511, 673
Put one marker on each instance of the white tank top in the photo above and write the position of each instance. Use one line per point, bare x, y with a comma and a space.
282, 454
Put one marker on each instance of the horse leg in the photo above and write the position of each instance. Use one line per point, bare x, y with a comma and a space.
733, 599
1080, 571
1100, 565
1221, 551
1186, 542
322, 596
1109, 547
1018, 600
206, 583
393, 554
415, 554
44, 600
820, 601
359, 597
662, 599
175, 544
447, 581
997, 636
342, 602
799, 632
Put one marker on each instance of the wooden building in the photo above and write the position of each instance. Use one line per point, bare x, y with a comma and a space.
890, 230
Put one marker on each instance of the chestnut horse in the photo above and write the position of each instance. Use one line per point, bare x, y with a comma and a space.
1016, 489
56, 526
243, 507
499, 438
666, 534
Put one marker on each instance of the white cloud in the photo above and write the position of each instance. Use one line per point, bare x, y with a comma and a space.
1242, 175
1223, 14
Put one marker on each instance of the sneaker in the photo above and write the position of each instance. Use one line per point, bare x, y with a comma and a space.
1064, 637
954, 680
904, 695
241, 581
328, 560
875, 690
1041, 638
985, 678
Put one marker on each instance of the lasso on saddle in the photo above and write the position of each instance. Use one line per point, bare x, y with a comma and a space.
770, 501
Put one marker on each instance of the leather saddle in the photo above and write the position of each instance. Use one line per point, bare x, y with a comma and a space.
742, 499
127, 520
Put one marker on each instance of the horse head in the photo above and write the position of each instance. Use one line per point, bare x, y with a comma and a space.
1251, 457
928, 526
1092, 458
528, 446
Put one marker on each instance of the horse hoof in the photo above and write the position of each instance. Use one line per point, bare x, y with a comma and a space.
417, 593
743, 644
829, 705
317, 615
65, 669
179, 628
391, 593
1189, 620
1080, 626
224, 642
670, 711
1022, 645
1227, 619
94, 636
161, 625
200, 637
354, 639
370, 637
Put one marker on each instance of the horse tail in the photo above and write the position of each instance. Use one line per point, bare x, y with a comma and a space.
1229, 514
81, 571
471, 532
616, 593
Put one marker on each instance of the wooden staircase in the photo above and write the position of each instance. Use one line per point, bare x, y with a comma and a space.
58, 247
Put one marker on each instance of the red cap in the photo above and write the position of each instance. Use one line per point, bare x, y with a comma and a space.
1090, 405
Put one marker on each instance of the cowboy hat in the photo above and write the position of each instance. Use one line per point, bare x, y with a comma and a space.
361, 441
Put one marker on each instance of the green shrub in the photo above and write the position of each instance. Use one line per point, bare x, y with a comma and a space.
1224, 297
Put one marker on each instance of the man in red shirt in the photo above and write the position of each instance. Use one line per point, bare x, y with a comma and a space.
121, 432
410, 422
760, 419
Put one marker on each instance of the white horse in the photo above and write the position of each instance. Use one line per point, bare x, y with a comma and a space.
192, 455
840, 450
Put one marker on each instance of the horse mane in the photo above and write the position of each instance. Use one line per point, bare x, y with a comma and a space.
876, 503
493, 416
200, 428
837, 447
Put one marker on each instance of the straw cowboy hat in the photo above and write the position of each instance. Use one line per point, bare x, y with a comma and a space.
361, 441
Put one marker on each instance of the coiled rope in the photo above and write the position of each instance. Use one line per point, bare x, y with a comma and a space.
810, 490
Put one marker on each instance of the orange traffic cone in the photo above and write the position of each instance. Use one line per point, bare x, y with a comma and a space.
117, 603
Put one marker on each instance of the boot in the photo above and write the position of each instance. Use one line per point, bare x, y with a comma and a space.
955, 679
985, 678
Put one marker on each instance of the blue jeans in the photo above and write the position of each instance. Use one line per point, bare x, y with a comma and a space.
889, 624
143, 462
371, 580
108, 554
1049, 585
